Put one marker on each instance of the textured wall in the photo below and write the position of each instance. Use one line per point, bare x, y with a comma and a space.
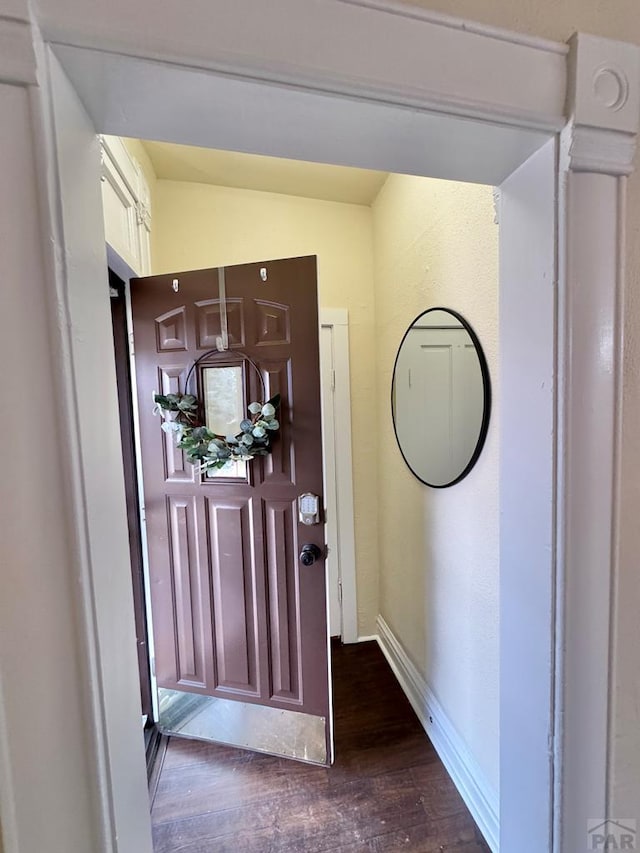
197, 225
558, 19
436, 244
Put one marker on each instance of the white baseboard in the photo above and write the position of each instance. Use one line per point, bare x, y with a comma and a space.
368, 639
480, 798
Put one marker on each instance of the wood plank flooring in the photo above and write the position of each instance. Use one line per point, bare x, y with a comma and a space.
387, 791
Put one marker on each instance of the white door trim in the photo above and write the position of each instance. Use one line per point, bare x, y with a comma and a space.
596, 155
361, 87
338, 320
407, 57
322, 124
527, 490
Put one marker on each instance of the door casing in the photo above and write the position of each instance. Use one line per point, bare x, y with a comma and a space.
127, 428
534, 755
68, 154
336, 321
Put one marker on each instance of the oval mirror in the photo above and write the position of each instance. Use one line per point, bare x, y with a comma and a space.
440, 397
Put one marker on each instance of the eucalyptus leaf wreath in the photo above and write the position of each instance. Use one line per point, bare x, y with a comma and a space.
204, 448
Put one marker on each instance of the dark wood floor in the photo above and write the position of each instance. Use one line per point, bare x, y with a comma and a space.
386, 791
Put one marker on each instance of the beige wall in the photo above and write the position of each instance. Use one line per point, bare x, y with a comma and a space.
198, 225
558, 19
436, 244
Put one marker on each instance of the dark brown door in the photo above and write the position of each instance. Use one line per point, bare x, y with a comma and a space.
236, 616
125, 407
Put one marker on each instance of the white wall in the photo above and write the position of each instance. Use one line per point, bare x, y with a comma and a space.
91, 438
42, 705
436, 244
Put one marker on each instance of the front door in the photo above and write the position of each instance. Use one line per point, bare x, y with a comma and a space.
239, 621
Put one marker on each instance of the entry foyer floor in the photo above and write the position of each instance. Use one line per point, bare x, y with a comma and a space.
387, 790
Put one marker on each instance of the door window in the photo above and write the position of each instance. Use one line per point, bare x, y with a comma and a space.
224, 407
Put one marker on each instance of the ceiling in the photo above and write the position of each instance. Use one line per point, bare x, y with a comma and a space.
267, 174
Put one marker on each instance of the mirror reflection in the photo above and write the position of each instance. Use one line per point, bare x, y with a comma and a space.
224, 407
440, 397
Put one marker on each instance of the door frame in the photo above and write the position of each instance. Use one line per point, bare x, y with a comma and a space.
499, 90
337, 319
122, 347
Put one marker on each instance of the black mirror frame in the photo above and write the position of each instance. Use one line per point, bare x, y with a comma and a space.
486, 386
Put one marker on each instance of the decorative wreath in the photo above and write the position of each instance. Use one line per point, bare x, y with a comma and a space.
204, 448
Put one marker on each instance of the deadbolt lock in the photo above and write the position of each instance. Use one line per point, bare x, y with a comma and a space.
309, 508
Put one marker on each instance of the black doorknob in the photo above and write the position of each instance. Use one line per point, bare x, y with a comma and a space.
309, 554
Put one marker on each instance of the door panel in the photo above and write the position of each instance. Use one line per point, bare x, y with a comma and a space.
283, 594
171, 332
187, 597
171, 381
233, 584
209, 323
236, 615
273, 324
279, 465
